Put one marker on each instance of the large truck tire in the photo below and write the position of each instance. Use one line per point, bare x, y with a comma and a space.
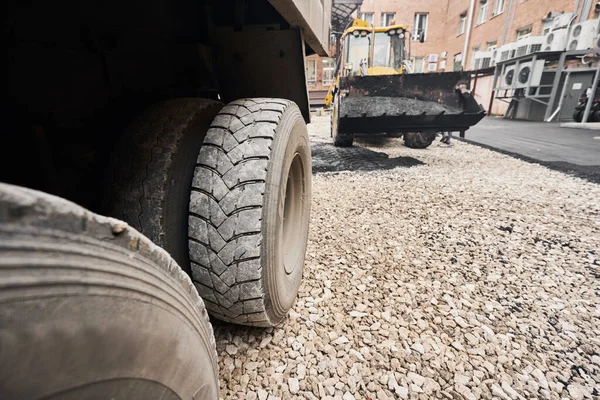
339, 139
249, 211
92, 309
578, 115
419, 140
151, 171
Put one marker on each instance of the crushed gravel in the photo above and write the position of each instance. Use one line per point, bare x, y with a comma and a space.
471, 275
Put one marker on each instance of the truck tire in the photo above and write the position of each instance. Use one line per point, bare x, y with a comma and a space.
578, 115
249, 211
339, 139
151, 171
419, 140
92, 309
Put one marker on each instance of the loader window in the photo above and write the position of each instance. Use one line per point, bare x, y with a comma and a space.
389, 50
357, 49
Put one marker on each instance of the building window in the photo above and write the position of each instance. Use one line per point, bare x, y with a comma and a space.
419, 64
311, 72
492, 45
498, 7
457, 61
421, 24
483, 6
367, 17
523, 33
462, 22
387, 18
328, 67
474, 52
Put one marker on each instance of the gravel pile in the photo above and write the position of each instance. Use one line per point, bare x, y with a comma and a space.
474, 275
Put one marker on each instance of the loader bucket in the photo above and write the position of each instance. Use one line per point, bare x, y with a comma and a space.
392, 104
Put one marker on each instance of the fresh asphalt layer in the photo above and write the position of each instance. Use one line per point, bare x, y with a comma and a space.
573, 151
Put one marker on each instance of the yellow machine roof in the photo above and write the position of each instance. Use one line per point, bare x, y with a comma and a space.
360, 25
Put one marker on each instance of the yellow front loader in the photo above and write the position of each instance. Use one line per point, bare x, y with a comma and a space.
375, 91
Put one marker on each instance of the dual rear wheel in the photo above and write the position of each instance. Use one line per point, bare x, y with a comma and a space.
95, 309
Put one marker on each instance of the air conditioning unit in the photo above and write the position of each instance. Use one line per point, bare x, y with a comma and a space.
506, 52
535, 44
508, 79
529, 74
443, 65
530, 45
444, 54
562, 21
482, 59
596, 43
582, 35
522, 47
433, 58
556, 40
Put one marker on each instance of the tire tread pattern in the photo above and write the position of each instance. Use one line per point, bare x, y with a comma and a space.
33, 214
226, 210
139, 172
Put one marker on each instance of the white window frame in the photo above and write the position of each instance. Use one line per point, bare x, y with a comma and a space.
524, 33
312, 82
491, 45
474, 50
483, 9
370, 20
329, 69
462, 23
384, 18
499, 7
417, 24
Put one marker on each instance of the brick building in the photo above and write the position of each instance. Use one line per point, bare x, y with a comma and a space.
454, 29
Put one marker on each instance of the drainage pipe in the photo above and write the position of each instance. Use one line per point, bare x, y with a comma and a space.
468, 35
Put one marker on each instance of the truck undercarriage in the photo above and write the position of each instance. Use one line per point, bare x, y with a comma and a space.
185, 120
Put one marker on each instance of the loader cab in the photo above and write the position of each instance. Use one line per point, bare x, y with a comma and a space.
389, 49
356, 46
373, 51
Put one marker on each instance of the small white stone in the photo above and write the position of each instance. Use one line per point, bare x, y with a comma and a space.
341, 340
262, 394
231, 349
401, 391
418, 347
416, 378
293, 385
498, 392
541, 378
301, 371
348, 396
358, 314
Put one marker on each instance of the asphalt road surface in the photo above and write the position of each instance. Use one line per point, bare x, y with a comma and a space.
574, 151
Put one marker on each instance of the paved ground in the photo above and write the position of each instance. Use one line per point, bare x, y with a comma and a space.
450, 272
575, 151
